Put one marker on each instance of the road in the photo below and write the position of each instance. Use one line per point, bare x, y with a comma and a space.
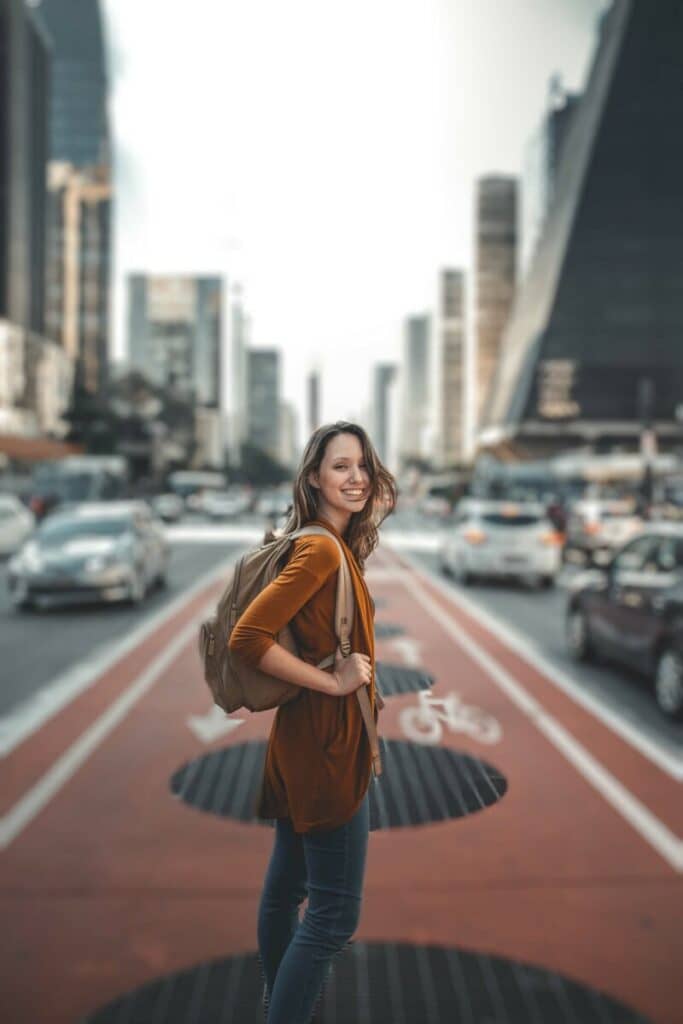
526, 860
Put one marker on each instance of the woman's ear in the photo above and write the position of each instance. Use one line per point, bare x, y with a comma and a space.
313, 480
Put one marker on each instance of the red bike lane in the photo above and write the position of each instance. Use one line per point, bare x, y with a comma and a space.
113, 877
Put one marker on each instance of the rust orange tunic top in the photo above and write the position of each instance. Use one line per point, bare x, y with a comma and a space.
318, 762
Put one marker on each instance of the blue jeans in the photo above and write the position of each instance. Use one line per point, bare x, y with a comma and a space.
328, 867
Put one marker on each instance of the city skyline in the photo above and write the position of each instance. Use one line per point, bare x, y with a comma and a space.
396, 190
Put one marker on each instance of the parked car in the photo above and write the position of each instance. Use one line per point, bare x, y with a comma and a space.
632, 612
93, 552
16, 523
169, 507
501, 539
596, 528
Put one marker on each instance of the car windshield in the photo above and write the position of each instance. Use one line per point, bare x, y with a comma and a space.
56, 533
516, 519
67, 486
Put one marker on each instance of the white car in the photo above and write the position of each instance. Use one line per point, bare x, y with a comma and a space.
597, 528
16, 524
169, 507
225, 504
113, 551
502, 540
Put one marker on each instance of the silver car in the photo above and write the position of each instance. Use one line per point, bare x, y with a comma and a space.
501, 539
114, 551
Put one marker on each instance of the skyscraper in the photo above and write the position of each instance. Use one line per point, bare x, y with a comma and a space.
383, 411
313, 397
450, 367
79, 127
415, 388
541, 163
174, 333
598, 321
263, 406
238, 340
79, 269
35, 376
494, 283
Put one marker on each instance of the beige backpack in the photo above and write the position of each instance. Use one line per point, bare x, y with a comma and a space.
232, 682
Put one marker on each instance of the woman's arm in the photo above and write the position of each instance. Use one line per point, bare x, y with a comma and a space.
349, 673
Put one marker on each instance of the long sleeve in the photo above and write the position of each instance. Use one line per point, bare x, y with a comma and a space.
313, 561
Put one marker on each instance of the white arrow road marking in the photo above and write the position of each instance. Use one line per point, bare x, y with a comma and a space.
408, 648
213, 725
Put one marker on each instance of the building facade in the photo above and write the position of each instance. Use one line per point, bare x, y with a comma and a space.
79, 269
79, 125
383, 411
449, 364
35, 373
264, 402
174, 333
541, 162
495, 275
313, 400
598, 322
415, 390
236, 382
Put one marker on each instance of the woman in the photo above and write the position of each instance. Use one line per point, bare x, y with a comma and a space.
318, 763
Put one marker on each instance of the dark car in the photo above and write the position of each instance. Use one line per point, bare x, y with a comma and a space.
631, 611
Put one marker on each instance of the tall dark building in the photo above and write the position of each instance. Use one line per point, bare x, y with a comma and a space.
24, 100
79, 127
598, 323
263, 406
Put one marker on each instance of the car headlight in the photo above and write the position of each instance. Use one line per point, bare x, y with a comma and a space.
98, 563
28, 559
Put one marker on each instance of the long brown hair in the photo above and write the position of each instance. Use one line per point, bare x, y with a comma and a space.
362, 532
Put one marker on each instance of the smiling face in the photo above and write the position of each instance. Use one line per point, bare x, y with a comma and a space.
342, 481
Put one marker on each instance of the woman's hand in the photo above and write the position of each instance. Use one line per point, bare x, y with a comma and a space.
352, 672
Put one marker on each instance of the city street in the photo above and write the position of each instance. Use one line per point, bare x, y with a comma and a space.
526, 860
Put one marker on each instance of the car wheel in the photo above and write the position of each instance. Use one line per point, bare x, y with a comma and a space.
577, 635
548, 582
669, 684
463, 576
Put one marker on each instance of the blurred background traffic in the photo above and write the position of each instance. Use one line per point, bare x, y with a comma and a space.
532, 409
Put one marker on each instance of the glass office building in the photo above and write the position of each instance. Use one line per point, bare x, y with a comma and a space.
598, 322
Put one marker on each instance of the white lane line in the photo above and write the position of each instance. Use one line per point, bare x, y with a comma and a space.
641, 819
30, 715
66, 766
663, 757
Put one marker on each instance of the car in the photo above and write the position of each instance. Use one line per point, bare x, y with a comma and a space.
501, 539
113, 551
169, 507
596, 528
225, 504
16, 523
631, 612
77, 479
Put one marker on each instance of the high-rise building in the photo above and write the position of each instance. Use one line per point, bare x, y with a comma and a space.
384, 381
263, 406
236, 383
79, 268
598, 322
415, 417
313, 397
35, 375
79, 126
541, 162
174, 333
449, 368
288, 435
494, 282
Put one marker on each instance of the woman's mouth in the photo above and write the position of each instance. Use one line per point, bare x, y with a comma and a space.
356, 493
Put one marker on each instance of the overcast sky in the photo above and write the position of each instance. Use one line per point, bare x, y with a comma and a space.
324, 153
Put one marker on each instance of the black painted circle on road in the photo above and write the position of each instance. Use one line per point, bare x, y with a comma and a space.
377, 983
397, 679
419, 785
